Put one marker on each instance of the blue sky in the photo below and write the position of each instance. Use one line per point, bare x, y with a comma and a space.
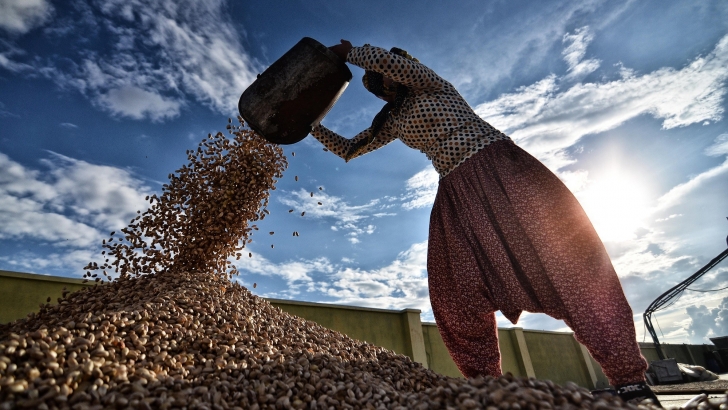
624, 100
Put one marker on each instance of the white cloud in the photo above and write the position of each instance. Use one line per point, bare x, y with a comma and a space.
421, 189
197, 42
70, 261
706, 323
106, 196
524, 46
24, 212
617, 202
511, 111
575, 180
646, 256
68, 125
157, 55
545, 119
401, 284
24, 218
677, 193
575, 51
70, 204
21, 16
133, 102
296, 273
8, 57
351, 218
667, 218
692, 316
720, 147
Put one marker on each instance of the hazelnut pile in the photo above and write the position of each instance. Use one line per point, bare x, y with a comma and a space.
177, 339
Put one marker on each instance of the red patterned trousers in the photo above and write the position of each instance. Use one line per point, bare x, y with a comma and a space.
506, 234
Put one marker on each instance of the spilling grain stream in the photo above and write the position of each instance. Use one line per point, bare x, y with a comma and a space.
171, 330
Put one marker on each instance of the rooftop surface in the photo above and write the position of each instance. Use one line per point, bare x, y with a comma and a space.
676, 395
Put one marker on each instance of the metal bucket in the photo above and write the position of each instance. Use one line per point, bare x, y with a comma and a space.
295, 92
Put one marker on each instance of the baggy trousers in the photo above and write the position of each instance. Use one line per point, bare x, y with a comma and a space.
506, 234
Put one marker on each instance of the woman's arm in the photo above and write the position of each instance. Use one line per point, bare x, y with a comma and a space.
412, 74
341, 146
400, 69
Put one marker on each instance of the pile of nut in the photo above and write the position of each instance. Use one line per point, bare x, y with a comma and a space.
172, 330
198, 341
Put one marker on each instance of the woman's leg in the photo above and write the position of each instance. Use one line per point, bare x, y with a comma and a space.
601, 319
575, 280
465, 318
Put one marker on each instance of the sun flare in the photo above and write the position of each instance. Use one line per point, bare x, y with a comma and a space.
616, 203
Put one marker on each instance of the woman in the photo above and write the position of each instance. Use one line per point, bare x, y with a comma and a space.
505, 233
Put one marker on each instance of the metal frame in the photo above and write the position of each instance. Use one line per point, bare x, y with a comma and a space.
673, 292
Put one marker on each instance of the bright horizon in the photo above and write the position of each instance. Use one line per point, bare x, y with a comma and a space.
625, 101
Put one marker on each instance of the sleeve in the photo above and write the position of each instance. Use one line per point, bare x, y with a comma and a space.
340, 145
400, 69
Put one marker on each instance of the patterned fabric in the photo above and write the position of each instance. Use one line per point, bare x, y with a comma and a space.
506, 234
434, 119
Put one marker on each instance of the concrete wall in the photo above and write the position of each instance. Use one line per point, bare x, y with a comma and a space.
556, 356
683, 353
398, 330
22, 293
512, 359
553, 351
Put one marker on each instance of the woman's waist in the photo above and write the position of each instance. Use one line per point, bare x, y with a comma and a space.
451, 153
460, 142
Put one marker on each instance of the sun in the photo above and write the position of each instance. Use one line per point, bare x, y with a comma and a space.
616, 203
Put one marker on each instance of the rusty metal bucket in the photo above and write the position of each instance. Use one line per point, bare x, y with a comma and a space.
295, 92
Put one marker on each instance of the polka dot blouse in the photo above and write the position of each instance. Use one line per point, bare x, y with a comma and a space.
434, 118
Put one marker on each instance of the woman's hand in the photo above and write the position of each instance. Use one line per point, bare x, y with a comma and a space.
342, 50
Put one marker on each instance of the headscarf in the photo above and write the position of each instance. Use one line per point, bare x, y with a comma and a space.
374, 83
